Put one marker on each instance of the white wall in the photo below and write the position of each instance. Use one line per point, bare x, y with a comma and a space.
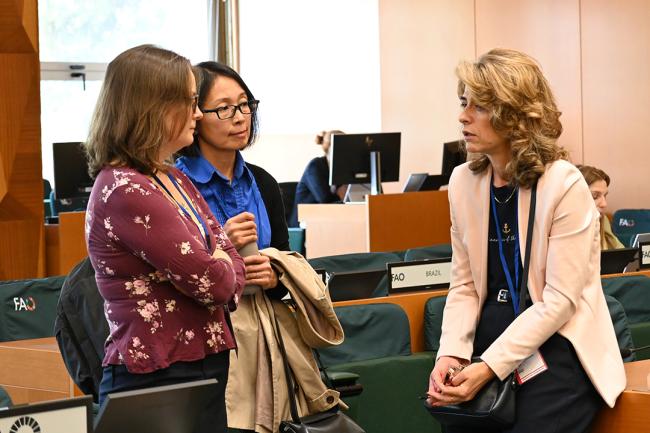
593, 52
314, 65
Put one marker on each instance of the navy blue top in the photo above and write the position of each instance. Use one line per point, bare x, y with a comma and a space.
314, 186
228, 198
507, 213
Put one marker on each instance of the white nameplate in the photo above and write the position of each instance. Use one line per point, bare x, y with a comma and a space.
419, 275
644, 255
64, 416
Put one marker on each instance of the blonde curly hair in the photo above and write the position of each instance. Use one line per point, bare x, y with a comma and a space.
510, 84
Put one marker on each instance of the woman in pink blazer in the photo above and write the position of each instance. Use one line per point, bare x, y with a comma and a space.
510, 124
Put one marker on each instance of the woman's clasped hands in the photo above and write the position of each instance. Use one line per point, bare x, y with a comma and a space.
242, 230
454, 380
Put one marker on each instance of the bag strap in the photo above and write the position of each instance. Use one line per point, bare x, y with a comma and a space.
323, 369
523, 291
293, 407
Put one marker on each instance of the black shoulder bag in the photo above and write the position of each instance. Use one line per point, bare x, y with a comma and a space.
331, 421
494, 405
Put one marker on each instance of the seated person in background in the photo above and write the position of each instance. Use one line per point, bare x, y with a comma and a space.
598, 182
314, 184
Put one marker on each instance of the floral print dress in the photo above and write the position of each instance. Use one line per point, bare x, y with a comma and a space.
165, 296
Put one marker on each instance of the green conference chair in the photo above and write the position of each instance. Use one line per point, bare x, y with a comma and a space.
621, 327
360, 262
28, 308
5, 400
433, 309
440, 251
633, 292
628, 222
377, 347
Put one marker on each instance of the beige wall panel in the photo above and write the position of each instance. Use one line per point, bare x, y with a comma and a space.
548, 30
421, 42
616, 94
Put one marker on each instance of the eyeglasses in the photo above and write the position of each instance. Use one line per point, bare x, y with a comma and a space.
228, 111
195, 101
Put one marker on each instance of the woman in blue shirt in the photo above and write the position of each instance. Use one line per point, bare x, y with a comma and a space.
243, 197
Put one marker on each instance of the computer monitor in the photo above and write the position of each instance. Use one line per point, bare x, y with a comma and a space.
73, 415
639, 238
415, 182
614, 261
170, 408
346, 286
365, 159
425, 182
71, 178
453, 154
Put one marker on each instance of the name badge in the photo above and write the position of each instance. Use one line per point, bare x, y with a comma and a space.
644, 255
530, 367
419, 275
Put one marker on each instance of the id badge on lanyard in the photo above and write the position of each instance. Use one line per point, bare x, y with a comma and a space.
206, 234
512, 285
534, 364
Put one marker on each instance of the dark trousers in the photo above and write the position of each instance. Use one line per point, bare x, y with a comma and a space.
213, 419
560, 400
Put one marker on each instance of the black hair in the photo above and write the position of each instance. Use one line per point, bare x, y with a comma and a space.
206, 73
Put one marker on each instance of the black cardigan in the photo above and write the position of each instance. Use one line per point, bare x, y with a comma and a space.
272, 197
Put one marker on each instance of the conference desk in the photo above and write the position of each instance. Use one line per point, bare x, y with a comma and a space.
33, 371
65, 243
631, 414
386, 222
413, 305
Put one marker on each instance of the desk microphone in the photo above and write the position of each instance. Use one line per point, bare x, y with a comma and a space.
627, 351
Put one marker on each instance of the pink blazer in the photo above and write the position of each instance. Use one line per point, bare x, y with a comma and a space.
564, 279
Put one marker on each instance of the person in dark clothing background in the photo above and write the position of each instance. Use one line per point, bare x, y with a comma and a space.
314, 184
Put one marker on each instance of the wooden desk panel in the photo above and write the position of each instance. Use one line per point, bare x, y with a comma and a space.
645, 273
631, 412
65, 244
413, 305
386, 222
332, 229
409, 220
33, 370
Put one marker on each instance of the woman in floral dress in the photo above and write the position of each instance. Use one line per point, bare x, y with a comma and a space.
164, 266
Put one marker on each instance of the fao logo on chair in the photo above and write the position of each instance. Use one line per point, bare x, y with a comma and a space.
24, 304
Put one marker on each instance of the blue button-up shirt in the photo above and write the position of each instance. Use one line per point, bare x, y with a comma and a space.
228, 198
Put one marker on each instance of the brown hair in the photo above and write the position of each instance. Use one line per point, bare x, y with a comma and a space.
510, 84
325, 136
593, 174
143, 85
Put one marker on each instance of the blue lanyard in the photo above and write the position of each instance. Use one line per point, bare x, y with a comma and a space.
208, 244
512, 288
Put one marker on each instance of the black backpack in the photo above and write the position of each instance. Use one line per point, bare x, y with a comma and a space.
81, 329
